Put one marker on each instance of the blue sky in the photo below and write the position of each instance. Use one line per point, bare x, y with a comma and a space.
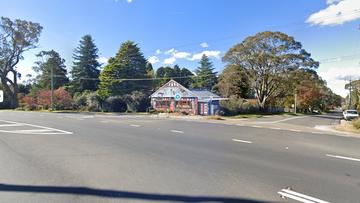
173, 32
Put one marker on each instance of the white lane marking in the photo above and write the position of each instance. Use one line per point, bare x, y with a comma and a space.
275, 128
80, 117
284, 119
104, 121
244, 141
342, 157
9, 125
300, 197
37, 126
26, 131
41, 115
239, 124
135, 126
256, 126
175, 131
295, 130
228, 124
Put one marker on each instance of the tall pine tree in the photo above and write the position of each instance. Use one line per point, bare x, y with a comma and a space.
129, 63
47, 61
206, 78
86, 68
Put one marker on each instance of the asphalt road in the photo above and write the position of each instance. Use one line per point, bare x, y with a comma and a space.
47, 157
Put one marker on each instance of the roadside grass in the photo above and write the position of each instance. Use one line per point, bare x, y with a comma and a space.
350, 127
259, 115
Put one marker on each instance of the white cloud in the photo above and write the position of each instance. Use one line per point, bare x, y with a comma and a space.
129, 1
334, 60
102, 60
204, 44
153, 59
336, 14
170, 51
158, 52
210, 54
180, 55
332, 1
336, 78
169, 60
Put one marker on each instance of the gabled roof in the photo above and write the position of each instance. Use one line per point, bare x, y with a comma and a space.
172, 83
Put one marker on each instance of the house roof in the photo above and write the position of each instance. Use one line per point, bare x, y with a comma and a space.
251, 100
204, 94
172, 81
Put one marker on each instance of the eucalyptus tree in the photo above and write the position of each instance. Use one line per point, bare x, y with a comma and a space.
268, 61
15, 38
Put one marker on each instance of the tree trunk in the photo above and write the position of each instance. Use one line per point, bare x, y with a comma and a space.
12, 94
262, 105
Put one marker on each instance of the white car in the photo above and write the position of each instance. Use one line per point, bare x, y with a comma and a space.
350, 114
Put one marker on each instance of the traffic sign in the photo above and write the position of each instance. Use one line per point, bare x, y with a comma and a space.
177, 96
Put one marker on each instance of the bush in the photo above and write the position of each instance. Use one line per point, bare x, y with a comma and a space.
114, 104
356, 123
136, 101
93, 102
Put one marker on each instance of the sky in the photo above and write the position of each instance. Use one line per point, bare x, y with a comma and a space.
171, 32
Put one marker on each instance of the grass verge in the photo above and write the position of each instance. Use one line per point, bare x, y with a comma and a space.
348, 126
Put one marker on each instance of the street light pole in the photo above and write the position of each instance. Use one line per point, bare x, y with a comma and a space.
295, 101
350, 95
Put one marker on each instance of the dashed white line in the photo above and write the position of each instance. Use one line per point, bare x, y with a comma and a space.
342, 157
239, 124
275, 128
176, 131
135, 126
228, 124
295, 130
300, 197
244, 141
104, 121
256, 126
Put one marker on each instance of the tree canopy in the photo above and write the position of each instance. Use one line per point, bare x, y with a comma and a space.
48, 60
129, 63
15, 38
86, 67
205, 77
268, 61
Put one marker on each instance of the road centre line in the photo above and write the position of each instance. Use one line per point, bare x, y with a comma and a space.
275, 128
295, 130
239, 124
135, 126
175, 131
342, 157
104, 121
244, 141
300, 197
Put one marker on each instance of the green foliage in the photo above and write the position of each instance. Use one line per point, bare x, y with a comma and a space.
136, 101
231, 106
48, 60
356, 123
16, 38
114, 104
129, 63
168, 73
205, 78
93, 102
269, 61
86, 67
80, 100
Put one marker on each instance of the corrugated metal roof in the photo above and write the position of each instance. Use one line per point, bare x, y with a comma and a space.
204, 94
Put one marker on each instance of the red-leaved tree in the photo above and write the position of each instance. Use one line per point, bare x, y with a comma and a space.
308, 94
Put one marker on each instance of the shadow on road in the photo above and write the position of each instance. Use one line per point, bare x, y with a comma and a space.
117, 194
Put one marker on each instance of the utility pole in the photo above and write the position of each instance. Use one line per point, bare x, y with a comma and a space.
350, 95
295, 101
52, 87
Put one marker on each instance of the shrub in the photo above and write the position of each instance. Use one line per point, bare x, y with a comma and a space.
93, 102
136, 101
356, 123
114, 104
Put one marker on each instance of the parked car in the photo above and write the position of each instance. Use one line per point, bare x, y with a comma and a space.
350, 114
315, 111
